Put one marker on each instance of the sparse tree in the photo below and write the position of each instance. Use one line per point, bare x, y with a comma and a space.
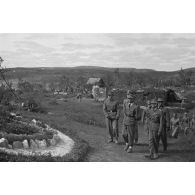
64, 83
185, 77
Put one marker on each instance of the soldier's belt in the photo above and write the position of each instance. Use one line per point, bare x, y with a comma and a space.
154, 121
112, 111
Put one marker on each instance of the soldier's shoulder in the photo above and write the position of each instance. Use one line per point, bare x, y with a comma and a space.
105, 101
125, 100
117, 102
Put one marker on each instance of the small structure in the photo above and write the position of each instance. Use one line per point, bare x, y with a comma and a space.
98, 88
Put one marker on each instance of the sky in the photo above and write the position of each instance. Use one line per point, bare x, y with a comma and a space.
165, 52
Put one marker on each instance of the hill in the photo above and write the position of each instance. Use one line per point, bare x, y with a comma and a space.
47, 74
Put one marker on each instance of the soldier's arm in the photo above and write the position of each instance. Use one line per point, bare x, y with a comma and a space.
138, 113
143, 116
105, 109
167, 119
118, 111
161, 123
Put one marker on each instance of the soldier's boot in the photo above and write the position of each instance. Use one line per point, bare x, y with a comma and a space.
154, 156
110, 140
136, 141
130, 149
165, 145
149, 155
126, 147
164, 148
116, 140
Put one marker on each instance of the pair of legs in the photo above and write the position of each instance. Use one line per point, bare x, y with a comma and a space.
112, 126
128, 133
136, 133
163, 138
153, 143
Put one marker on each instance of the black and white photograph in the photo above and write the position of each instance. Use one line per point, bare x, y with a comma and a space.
100, 97
97, 97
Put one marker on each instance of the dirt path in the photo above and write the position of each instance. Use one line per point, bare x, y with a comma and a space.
101, 151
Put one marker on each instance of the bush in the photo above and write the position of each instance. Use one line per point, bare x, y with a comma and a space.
18, 128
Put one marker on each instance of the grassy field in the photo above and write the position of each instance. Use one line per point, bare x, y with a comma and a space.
84, 122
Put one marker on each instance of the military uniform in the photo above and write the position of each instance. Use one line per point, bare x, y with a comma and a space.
155, 129
136, 133
111, 112
131, 115
165, 127
145, 119
186, 124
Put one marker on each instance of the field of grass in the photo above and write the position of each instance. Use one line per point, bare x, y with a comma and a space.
84, 123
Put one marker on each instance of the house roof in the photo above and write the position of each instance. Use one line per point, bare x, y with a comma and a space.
93, 81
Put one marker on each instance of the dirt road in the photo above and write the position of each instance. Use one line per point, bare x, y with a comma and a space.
100, 150
77, 117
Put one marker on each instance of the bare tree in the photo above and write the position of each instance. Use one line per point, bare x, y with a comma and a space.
185, 77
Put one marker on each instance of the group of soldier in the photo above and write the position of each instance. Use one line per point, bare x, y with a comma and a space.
155, 117
184, 124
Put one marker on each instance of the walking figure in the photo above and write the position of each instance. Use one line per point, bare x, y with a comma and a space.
155, 130
111, 113
131, 115
166, 123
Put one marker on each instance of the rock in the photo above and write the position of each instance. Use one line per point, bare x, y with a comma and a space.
33, 145
34, 121
3, 143
41, 143
25, 144
52, 142
56, 138
17, 145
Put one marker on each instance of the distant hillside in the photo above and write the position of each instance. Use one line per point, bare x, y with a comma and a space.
48, 74
112, 69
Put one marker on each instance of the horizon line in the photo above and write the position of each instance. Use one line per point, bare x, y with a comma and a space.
98, 67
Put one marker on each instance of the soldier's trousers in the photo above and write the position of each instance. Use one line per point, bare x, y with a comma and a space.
112, 126
136, 132
146, 127
129, 133
163, 138
153, 142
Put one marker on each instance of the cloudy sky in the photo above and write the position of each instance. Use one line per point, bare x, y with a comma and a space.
155, 51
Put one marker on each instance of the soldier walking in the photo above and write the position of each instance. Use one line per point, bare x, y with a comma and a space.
185, 123
131, 115
155, 129
145, 116
111, 112
166, 123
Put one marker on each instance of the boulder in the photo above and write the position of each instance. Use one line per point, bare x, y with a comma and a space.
3, 143
56, 138
41, 143
17, 145
33, 145
25, 144
52, 142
